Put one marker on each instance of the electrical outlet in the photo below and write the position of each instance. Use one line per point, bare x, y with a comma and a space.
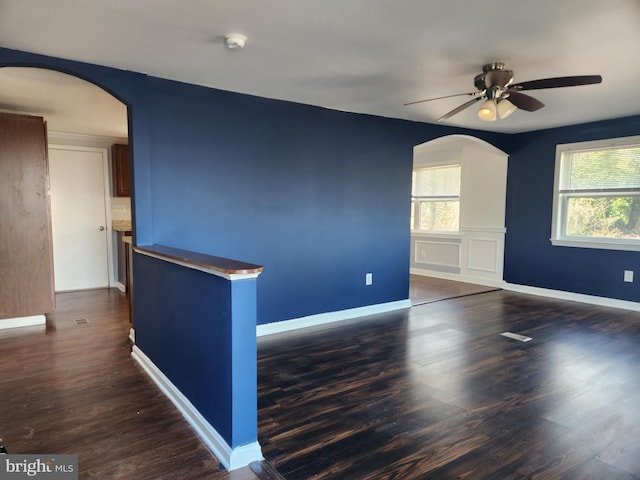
368, 279
628, 276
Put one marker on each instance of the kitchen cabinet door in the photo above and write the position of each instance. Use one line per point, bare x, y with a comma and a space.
121, 171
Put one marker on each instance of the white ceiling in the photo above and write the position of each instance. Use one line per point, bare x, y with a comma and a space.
68, 104
364, 56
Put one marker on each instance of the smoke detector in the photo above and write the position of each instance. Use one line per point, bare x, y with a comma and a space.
235, 41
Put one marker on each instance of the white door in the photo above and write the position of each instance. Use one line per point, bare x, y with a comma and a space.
79, 217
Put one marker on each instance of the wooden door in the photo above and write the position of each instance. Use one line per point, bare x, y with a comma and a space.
26, 259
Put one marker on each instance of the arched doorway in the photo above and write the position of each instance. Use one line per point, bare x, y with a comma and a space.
475, 252
83, 121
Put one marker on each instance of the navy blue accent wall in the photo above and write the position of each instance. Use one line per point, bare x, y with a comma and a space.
309, 193
530, 259
319, 197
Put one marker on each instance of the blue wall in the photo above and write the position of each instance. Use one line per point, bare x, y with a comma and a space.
530, 259
318, 197
321, 197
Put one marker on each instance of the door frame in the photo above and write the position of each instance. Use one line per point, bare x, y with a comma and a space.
107, 198
66, 141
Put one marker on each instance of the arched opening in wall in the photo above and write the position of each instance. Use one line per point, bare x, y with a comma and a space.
457, 218
83, 123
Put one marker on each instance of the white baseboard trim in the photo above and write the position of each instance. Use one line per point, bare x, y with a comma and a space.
330, 317
458, 278
22, 322
231, 458
121, 287
132, 335
574, 297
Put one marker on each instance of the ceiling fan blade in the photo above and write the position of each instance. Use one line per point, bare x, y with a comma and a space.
459, 109
557, 82
525, 102
446, 96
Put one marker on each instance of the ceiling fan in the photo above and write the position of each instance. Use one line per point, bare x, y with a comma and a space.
503, 97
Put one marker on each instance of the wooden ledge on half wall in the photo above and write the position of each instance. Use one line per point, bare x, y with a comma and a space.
200, 261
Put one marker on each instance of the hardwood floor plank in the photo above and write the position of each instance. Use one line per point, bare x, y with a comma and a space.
436, 392
265, 471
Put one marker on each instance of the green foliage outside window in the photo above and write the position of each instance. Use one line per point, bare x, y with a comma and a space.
612, 217
601, 191
440, 216
436, 199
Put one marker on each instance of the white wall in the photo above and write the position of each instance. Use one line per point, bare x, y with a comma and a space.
475, 253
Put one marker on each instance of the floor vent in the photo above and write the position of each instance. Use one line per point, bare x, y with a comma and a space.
81, 321
516, 336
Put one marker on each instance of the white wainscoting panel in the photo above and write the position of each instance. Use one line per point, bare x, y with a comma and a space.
475, 255
482, 255
437, 253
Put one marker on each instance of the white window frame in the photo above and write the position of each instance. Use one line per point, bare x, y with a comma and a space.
558, 223
415, 201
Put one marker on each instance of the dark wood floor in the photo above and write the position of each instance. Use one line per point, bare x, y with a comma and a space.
430, 392
435, 392
75, 389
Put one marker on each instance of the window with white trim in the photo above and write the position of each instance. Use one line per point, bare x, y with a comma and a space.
597, 194
435, 199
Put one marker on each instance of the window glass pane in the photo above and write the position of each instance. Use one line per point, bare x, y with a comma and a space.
601, 169
440, 215
437, 181
605, 217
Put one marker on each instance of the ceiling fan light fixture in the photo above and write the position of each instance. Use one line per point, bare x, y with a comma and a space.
505, 108
487, 111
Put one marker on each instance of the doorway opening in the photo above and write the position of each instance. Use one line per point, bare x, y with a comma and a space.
83, 122
472, 250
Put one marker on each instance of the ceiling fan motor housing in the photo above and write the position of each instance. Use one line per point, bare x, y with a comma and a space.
493, 75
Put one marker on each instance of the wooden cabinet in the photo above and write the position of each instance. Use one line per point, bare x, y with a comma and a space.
121, 173
26, 251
